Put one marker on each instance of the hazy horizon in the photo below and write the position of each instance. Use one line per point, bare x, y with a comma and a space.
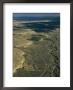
35, 14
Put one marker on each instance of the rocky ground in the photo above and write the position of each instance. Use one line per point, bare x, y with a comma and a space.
36, 54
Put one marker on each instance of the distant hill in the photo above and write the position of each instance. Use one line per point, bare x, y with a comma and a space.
26, 18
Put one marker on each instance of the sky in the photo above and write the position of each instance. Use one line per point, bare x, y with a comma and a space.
35, 14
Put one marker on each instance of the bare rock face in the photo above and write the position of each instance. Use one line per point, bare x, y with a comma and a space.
18, 59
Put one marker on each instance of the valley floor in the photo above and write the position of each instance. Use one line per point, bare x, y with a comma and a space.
36, 54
